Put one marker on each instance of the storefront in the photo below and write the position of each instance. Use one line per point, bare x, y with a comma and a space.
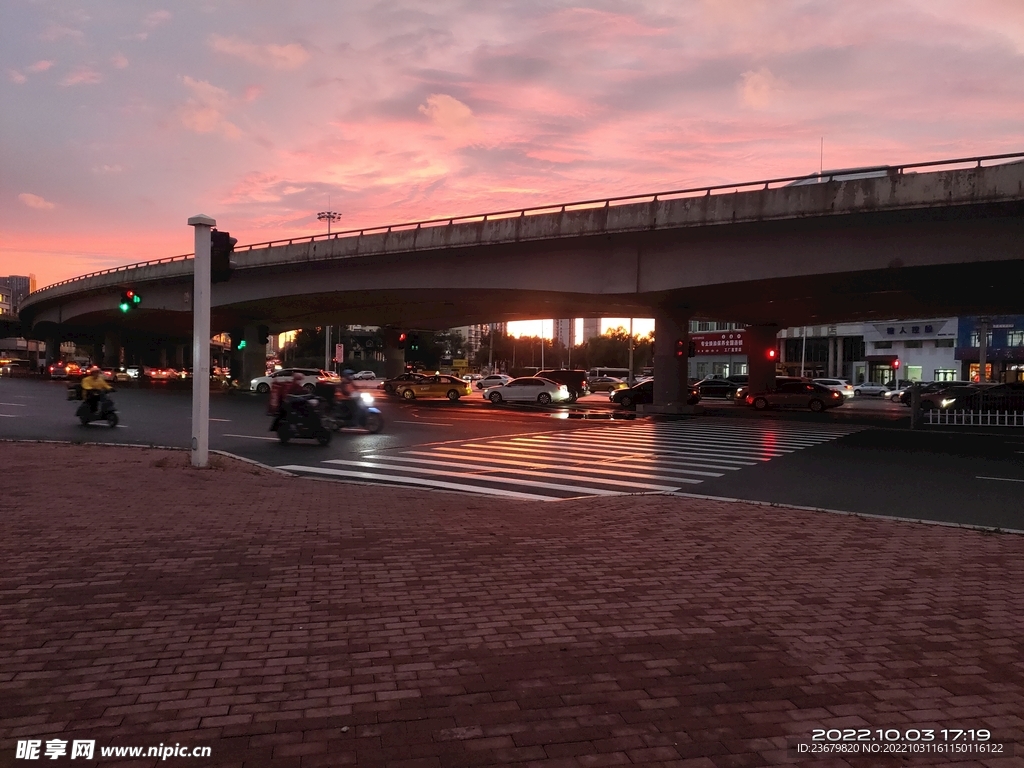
1004, 353
925, 350
721, 353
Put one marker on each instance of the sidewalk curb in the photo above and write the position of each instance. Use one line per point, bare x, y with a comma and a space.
864, 515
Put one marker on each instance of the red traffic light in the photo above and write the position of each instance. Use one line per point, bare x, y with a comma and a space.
680, 348
772, 353
896, 364
401, 337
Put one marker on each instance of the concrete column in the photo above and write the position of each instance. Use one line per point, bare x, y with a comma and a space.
759, 340
162, 360
394, 355
254, 356
840, 365
52, 350
112, 349
831, 356
179, 356
671, 326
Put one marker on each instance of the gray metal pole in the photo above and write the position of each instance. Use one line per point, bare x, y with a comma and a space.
803, 350
201, 341
630, 377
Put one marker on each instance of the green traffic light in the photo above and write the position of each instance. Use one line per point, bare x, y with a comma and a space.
136, 298
124, 306
241, 344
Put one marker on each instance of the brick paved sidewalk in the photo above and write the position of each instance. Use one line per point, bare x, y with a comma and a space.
290, 622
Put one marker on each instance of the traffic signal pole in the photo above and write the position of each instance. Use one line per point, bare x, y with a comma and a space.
201, 341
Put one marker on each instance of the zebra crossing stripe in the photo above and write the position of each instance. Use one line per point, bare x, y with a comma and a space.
532, 467
392, 480
492, 478
651, 447
612, 457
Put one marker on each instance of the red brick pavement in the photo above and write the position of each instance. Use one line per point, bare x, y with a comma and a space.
290, 622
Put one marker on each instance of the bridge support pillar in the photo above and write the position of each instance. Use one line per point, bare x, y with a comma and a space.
394, 354
52, 350
671, 386
179, 356
111, 349
254, 356
760, 340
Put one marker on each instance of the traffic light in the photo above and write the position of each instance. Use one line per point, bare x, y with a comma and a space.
222, 245
691, 351
772, 353
237, 340
129, 300
401, 340
896, 364
681, 348
264, 333
414, 343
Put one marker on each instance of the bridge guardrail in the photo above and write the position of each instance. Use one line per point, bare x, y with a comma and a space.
761, 184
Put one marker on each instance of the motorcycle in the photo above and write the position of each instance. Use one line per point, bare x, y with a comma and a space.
94, 407
357, 412
301, 416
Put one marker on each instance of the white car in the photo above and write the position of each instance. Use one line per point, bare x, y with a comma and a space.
842, 386
494, 380
369, 375
310, 376
528, 389
870, 388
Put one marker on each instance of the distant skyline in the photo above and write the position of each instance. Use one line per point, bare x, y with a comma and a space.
121, 120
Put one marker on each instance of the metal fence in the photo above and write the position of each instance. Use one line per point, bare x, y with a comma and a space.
976, 418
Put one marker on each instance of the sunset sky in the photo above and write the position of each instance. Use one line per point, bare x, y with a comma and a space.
122, 119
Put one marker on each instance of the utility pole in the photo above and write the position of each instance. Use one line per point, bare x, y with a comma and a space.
631, 382
803, 350
201, 340
490, 350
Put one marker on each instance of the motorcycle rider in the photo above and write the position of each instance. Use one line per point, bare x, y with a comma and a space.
294, 387
343, 395
95, 388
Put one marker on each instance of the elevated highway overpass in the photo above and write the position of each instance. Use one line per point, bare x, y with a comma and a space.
911, 240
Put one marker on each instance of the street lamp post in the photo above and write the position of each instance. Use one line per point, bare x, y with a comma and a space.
328, 216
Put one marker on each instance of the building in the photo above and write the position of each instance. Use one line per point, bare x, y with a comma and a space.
6, 302
591, 328
1004, 348
17, 287
563, 332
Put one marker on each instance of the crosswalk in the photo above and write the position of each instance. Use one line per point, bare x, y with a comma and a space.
617, 459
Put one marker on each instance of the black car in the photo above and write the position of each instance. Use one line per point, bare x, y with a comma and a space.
721, 387
931, 388
1002, 397
389, 385
575, 381
644, 393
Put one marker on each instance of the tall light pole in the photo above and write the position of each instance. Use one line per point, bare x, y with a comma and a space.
201, 340
328, 216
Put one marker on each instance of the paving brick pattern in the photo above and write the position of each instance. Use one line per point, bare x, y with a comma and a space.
292, 622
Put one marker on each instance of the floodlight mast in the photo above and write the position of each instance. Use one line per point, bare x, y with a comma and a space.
201, 341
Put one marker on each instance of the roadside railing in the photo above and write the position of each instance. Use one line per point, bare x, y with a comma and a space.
761, 184
976, 418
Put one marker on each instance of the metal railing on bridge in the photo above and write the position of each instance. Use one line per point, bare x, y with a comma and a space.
761, 184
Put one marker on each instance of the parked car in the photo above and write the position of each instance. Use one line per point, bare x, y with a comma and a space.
1001, 397
529, 389
364, 376
472, 378
870, 388
14, 367
575, 381
796, 394
726, 387
643, 393
440, 385
309, 378
494, 380
842, 386
388, 385
744, 390
606, 384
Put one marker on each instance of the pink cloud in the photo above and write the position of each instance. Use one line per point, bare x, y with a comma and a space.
39, 66
35, 201
205, 111
82, 76
272, 55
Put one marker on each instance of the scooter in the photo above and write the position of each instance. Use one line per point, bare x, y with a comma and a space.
105, 409
357, 412
300, 417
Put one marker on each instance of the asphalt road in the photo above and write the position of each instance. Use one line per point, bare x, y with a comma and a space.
860, 458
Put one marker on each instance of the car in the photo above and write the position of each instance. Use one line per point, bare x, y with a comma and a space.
725, 388
364, 376
14, 367
472, 377
388, 385
161, 374
309, 378
575, 381
64, 370
606, 384
842, 386
1001, 397
945, 398
531, 389
870, 388
796, 394
643, 393
494, 380
931, 391
115, 375
440, 385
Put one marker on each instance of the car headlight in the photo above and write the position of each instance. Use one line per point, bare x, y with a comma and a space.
366, 397
947, 401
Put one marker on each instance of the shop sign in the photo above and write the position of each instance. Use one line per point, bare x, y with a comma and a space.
725, 343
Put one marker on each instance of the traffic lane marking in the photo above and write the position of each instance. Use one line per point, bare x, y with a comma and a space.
426, 423
251, 437
14, 405
1004, 479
